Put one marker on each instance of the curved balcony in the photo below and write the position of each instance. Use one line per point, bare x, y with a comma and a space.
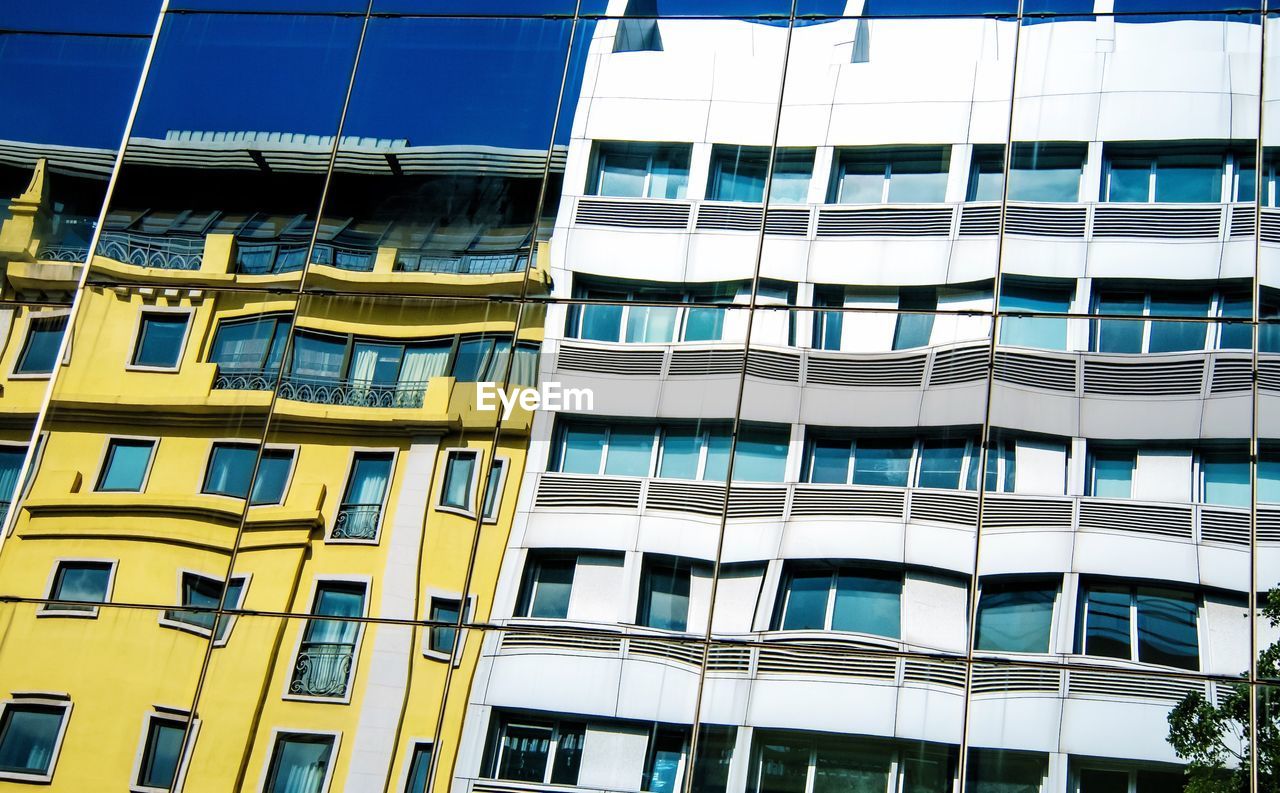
157, 252
352, 393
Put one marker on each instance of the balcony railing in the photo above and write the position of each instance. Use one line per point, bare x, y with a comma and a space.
159, 252
1077, 220
428, 261
245, 379
357, 522
322, 669
353, 393
1186, 522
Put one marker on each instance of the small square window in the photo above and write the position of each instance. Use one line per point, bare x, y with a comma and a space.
442, 638
419, 769
458, 490
160, 338
126, 464
161, 753
30, 734
79, 582
206, 593
40, 350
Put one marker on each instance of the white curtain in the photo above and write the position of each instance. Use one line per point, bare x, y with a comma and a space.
524, 370
362, 368
303, 779
370, 482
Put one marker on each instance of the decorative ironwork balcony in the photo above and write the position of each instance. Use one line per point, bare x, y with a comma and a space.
354, 393
322, 669
427, 261
144, 250
245, 379
74, 254
357, 522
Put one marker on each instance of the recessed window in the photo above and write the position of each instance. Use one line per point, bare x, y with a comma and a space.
912, 330
30, 734
602, 319
536, 751
1153, 626
1165, 172
231, 466
493, 489
458, 488
299, 763
360, 513
878, 175
79, 582
419, 769
161, 753
442, 638
1139, 336
992, 770
326, 656
251, 345
1224, 478
160, 338
640, 170
714, 757
840, 598
40, 350
664, 592
201, 595
1015, 617
126, 465
1145, 780
1038, 171
548, 583
738, 173
1044, 333
11, 458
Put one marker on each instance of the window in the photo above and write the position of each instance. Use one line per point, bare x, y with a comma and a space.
536, 751
419, 768
1164, 172
1026, 465
828, 326
250, 345
493, 489
761, 453
1111, 473
326, 655
890, 462
1268, 476
664, 764
442, 638
639, 170
11, 458
1038, 171
649, 324
40, 350
796, 762
161, 752
231, 465
1138, 336
1004, 771
1015, 616
738, 174
714, 755
200, 596
79, 582
458, 488
30, 736
548, 582
840, 598
1045, 333
125, 467
913, 330
1153, 626
664, 592
160, 339
485, 359
907, 174
1145, 780
300, 763
1224, 478
360, 513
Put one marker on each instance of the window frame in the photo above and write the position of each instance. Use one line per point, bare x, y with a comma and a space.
260, 451
356, 645
595, 173
1214, 327
915, 463
278, 733
448, 455
275, 317
491, 511
106, 457
135, 345
1134, 589
1228, 181
534, 560
226, 619
859, 567
89, 612
1026, 583
383, 507
506, 720
162, 713
431, 595
889, 154
625, 300
657, 563
19, 699
410, 754
28, 320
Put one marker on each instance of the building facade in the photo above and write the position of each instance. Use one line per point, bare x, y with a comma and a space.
930, 353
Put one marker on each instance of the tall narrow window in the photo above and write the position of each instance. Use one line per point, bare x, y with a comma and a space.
442, 638
419, 769
1111, 473
40, 350
11, 458
548, 582
534, 751
457, 491
299, 763
126, 464
360, 513
161, 752
664, 766
664, 594
326, 656
493, 488
200, 596
160, 339
1045, 333
914, 329
1224, 479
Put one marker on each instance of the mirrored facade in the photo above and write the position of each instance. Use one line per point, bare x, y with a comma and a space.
641, 396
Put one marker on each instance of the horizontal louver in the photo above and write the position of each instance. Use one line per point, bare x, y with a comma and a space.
991, 679
757, 501
811, 500
979, 221
680, 652
1243, 220
728, 217
614, 360
697, 363
903, 372
729, 659
962, 365
1270, 225
1231, 374
787, 221
884, 222
1268, 524
632, 214
594, 642
1165, 520
699, 498
934, 673
1144, 377
1037, 371
567, 490
1224, 525
808, 660
1154, 221
1008, 512
1045, 221
1269, 373
941, 506
772, 365
1116, 683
